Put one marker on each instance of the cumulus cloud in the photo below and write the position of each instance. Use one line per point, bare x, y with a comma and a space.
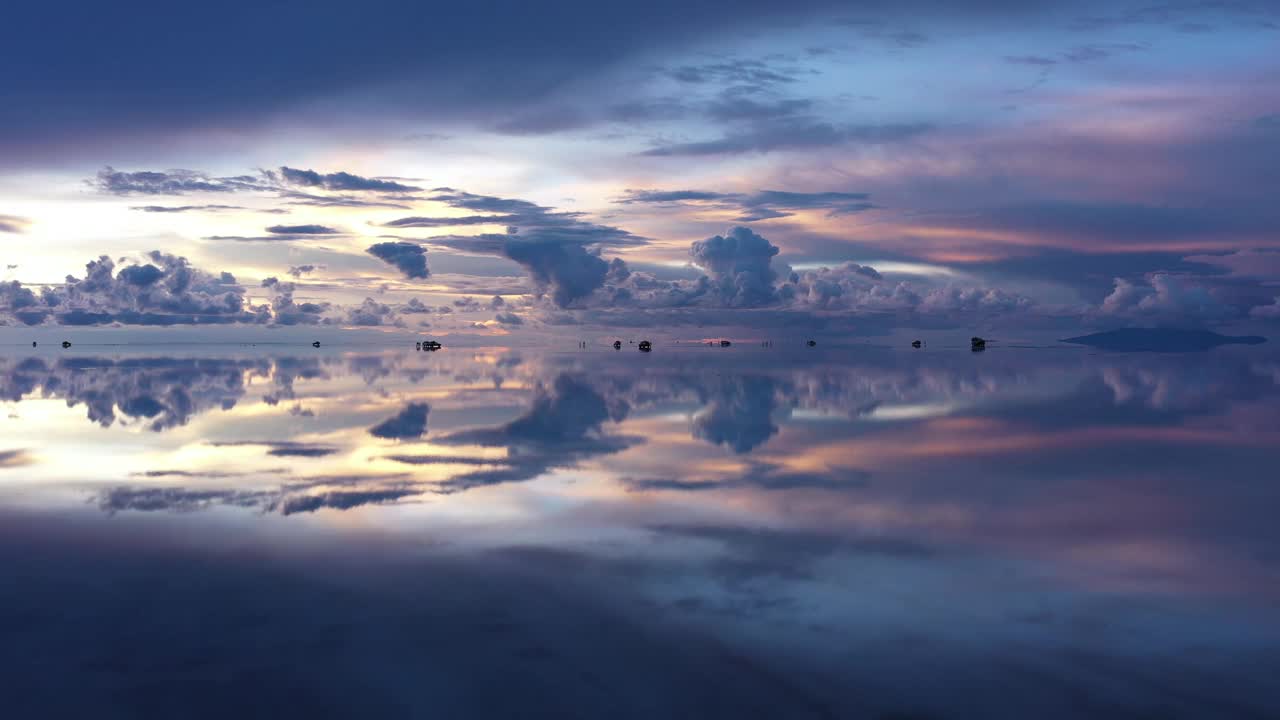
155, 393
410, 258
372, 313
739, 266
507, 318
164, 290
285, 311
1165, 298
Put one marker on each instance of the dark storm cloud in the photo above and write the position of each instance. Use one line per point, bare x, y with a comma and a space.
13, 224
410, 258
761, 205
409, 424
302, 230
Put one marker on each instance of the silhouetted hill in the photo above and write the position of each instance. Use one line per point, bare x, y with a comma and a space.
1161, 340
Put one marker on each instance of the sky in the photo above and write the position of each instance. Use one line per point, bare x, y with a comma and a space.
506, 168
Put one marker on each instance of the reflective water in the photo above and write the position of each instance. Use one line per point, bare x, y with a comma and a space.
688, 533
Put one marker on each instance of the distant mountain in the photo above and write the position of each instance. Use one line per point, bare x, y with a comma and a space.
1161, 340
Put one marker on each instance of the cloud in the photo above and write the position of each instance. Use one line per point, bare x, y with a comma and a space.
15, 459
761, 205
736, 72
169, 182
739, 265
282, 448
298, 271
201, 208
301, 495
1039, 60
433, 222
738, 413
372, 313
165, 290
1267, 312
256, 238
154, 393
410, 258
568, 271
293, 197
409, 424
562, 428
509, 319
302, 230
553, 247
526, 218
1165, 299
13, 224
759, 475
341, 181
284, 311
792, 133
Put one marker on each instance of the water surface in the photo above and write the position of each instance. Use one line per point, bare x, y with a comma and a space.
695, 532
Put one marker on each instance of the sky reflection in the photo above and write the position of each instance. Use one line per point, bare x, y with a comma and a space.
832, 533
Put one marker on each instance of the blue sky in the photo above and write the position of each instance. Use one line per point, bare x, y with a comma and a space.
499, 169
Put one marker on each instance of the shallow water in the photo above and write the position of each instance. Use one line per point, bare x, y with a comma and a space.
694, 532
